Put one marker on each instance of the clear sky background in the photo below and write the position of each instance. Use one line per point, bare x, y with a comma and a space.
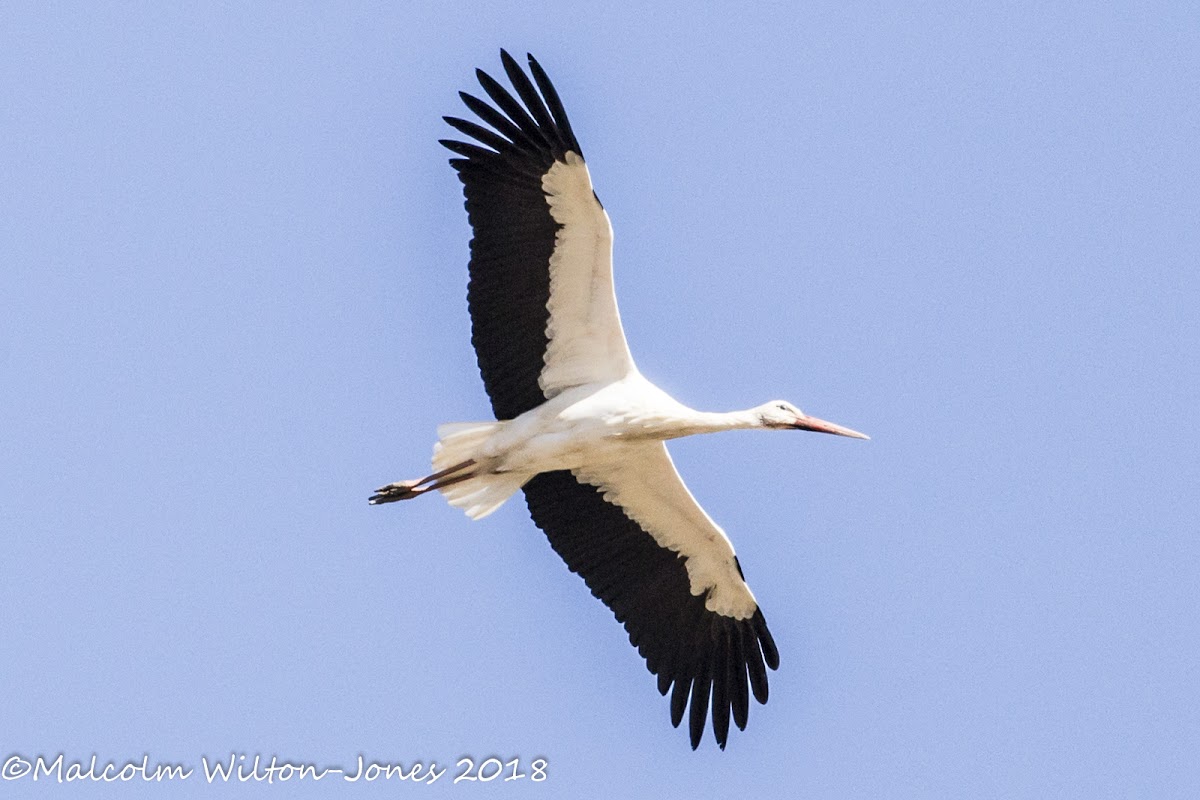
232, 282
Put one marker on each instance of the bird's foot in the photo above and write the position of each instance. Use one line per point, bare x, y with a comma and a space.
406, 490
401, 490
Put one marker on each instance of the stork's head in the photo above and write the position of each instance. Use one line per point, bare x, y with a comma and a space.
782, 414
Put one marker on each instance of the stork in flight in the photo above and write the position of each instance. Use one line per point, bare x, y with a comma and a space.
578, 428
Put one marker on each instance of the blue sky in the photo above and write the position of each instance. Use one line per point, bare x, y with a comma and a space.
232, 304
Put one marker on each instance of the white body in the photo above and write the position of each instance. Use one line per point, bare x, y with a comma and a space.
608, 435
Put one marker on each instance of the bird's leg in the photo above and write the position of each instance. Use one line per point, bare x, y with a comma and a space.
406, 490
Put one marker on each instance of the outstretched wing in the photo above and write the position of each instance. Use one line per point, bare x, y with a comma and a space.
644, 546
543, 312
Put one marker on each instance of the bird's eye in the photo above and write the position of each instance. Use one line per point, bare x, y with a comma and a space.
781, 406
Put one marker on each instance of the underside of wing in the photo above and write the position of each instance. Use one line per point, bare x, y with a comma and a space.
543, 312
668, 573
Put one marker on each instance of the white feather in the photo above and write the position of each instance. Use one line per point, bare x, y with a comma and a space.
645, 484
587, 344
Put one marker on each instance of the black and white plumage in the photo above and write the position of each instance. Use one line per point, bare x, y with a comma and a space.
578, 428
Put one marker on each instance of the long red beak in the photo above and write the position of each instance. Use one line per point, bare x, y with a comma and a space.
807, 423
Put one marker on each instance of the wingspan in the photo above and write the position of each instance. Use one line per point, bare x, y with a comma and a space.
543, 311
643, 545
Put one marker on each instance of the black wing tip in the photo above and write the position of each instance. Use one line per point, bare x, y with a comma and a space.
507, 58
718, 685
708, 664
679, 698
701, 686
537, 121
766, 640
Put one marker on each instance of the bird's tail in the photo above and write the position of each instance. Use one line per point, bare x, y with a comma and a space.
485, 491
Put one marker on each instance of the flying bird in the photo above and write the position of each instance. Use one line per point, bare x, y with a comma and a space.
578, 429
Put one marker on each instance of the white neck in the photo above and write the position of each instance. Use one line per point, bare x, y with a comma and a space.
711, 422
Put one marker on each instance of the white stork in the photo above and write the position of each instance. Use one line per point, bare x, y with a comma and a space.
578, 428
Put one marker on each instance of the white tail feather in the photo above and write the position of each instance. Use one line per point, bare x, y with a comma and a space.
483, 494
486, 491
